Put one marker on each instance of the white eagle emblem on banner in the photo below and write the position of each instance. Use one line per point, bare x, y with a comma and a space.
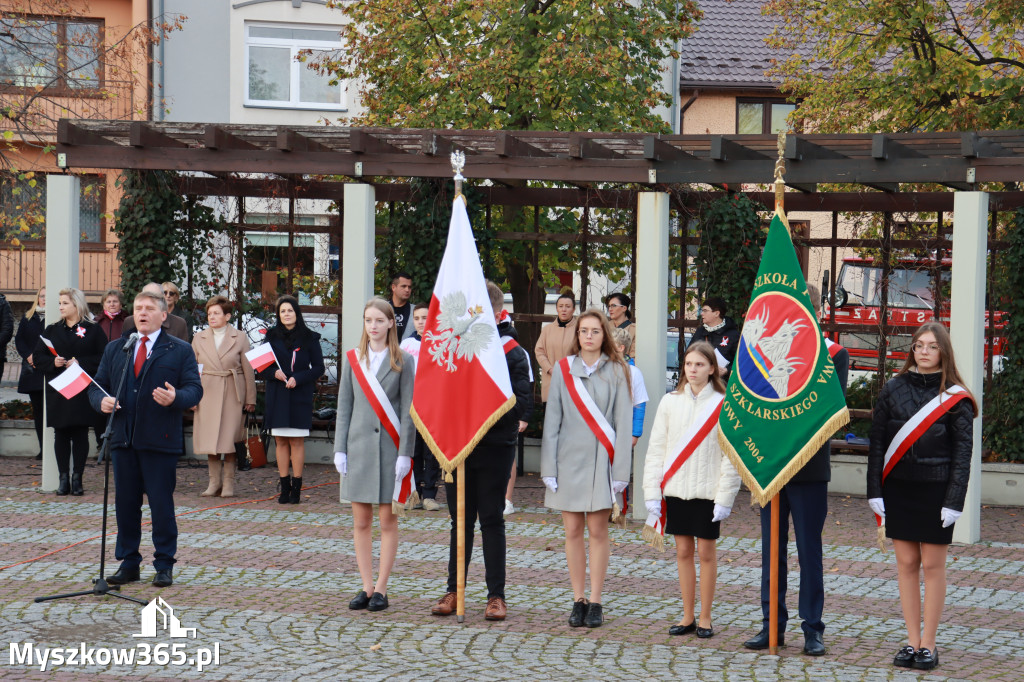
458, 334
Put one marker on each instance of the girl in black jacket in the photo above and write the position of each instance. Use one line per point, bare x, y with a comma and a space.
923, 494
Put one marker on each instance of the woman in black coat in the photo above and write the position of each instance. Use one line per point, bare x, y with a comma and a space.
923, 494
31, 381
291, 383
76, 340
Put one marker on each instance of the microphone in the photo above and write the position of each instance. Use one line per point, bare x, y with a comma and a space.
135, 336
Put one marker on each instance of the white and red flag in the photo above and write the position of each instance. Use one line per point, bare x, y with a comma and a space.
71, 381
462, 382
48, 344
261, 357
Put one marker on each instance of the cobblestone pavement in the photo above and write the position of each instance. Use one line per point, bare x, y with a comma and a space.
267, 586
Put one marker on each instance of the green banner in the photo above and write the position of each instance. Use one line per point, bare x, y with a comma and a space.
783, 400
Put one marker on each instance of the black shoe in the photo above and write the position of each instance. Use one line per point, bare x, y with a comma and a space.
39, 456
926, 659
579, 613
760, 640
904, 657
64, 486
705, 633
76, 485
594, 618
296, 490
676, 630
378, 602
286, 490
124, 576
813, 644
163, 578
360, 601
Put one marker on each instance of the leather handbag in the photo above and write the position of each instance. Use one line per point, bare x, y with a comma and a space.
254, 444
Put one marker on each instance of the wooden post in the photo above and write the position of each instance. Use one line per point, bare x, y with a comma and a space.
773, 579
460, 542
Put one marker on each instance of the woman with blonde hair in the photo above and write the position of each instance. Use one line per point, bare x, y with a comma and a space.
75, 339
373, 443
31, 380
586, 454
689, 482
919, 462
228, 388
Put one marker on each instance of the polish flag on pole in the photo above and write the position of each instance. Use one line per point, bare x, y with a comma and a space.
71, 381
46, 342
261, 357
462, 385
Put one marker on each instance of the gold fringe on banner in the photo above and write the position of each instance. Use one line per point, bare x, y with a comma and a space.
618, 518
653, 538
881, 538
764, 495
399, 509
450, 465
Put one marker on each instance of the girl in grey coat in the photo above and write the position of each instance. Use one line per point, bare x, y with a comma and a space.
364, 452
575, 466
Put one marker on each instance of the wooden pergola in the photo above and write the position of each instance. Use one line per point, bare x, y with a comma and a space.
357, 167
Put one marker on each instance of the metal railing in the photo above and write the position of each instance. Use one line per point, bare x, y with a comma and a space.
23, 270
26, 110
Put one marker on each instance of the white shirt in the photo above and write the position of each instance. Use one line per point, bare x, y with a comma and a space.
590, 369
376, 359
412, 346
150, 341
639, 390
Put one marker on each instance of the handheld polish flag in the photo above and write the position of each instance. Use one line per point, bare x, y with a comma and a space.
72, 381
261, 357
462, 384
46, 342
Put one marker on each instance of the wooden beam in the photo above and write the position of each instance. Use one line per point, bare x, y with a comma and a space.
215, 137
141, 134
973, 145
507, 143
724, 149
70, 134
363, 142
583, 147
656, 149
290, 141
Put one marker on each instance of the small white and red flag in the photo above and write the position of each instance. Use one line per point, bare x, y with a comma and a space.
462, 384
71, 381
261, 357
48, 344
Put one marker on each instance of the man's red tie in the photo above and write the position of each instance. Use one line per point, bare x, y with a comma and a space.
140, 355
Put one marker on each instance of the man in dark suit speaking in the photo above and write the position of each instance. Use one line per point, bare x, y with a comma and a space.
162, 382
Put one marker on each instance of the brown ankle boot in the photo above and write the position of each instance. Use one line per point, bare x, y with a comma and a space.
216, 468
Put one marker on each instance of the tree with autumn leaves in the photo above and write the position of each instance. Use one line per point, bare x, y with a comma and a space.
562, 65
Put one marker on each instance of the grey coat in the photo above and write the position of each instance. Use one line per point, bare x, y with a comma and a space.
371, 452
571, 453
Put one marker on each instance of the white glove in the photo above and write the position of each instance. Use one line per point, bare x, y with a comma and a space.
551, 482
949, 516
341, 462
877, 505
619, 486
721, 513
653, 508
402, 467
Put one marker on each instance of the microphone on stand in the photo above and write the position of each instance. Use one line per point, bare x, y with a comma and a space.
135, 336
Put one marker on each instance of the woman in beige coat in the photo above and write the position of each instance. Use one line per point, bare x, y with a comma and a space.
556, 341
575, 466
700, 495
228, 386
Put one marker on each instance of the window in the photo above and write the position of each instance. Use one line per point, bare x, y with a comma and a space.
762, 116
23, 198
55, 53
275, 78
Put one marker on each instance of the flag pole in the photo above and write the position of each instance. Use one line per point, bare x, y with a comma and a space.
773, 536
458, 160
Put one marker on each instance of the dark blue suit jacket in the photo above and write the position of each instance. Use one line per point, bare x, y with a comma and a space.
141, 423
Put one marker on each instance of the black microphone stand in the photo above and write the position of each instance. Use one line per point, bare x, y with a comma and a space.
100, 587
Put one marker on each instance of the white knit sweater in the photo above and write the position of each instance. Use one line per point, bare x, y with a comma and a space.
707, 474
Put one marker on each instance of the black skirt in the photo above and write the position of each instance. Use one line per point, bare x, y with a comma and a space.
691, 517
912, 511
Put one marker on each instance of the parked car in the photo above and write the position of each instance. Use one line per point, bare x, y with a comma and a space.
672, 358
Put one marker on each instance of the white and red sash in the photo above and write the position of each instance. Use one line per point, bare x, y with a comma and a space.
833, 347
915, 427
509, 344
588, 409
699, 431
385, 412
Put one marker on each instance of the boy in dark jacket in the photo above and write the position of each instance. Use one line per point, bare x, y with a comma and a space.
487, 470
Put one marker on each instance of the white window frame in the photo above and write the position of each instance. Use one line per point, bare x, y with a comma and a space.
295, 66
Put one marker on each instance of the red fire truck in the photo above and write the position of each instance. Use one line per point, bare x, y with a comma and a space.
912, 289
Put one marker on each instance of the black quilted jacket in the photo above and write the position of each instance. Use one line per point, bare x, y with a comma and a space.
941, 454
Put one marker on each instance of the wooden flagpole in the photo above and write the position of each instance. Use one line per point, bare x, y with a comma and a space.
458, 160
773, 536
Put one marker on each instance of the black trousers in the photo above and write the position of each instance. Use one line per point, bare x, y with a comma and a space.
487, 472
68, 442
425, 469
36, 398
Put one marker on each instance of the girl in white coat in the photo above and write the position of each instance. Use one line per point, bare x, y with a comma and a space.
700, 494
